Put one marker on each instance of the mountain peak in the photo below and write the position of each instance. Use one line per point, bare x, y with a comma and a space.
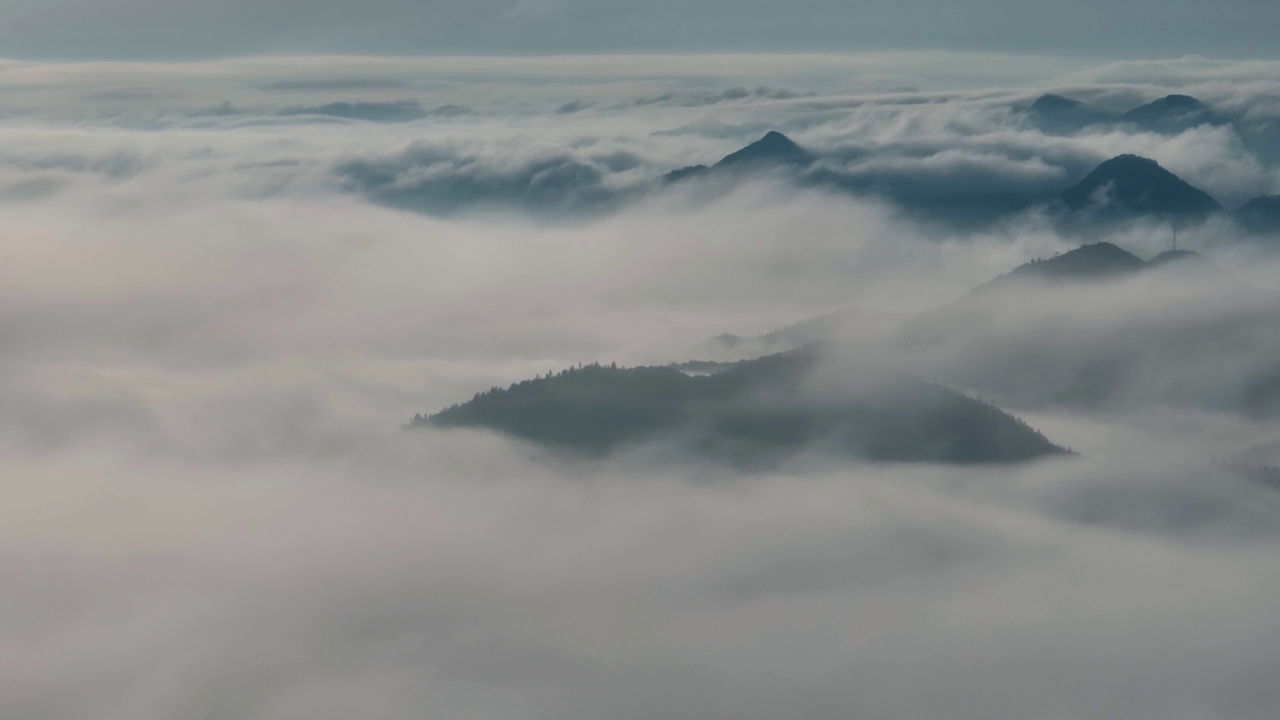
773, 147
1130, 185
1129, 162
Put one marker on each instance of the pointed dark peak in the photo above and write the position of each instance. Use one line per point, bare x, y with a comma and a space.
1130, 185
774, 148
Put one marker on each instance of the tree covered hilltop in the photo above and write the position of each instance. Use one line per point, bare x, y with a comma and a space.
758, 412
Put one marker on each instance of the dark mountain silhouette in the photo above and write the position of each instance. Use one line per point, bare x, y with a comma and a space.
1129, 186
1260, 215
1060, 115
1173, 114
772, 150
757, 413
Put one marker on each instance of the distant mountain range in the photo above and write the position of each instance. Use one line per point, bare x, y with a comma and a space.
1168, 115
757, 413
1122, 189
965, 185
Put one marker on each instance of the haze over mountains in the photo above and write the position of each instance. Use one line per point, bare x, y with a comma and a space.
1182, 317
1170, 115
228, 284
971, 196
1124, 188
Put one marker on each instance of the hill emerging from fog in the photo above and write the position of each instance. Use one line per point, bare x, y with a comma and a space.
1129, 186
759, 412
1100, 328
772, 150
1173, 114
1058, 114
1092, 262
1125, 187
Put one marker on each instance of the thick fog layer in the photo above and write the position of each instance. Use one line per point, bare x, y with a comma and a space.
226, 287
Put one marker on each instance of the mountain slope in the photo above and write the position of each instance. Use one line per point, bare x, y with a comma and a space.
759, 412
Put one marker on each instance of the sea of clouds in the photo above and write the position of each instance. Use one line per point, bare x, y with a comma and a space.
225, 286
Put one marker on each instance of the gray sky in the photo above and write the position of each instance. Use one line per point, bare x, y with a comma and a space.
154, 29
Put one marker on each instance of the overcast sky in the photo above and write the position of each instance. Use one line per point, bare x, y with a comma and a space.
159, 29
